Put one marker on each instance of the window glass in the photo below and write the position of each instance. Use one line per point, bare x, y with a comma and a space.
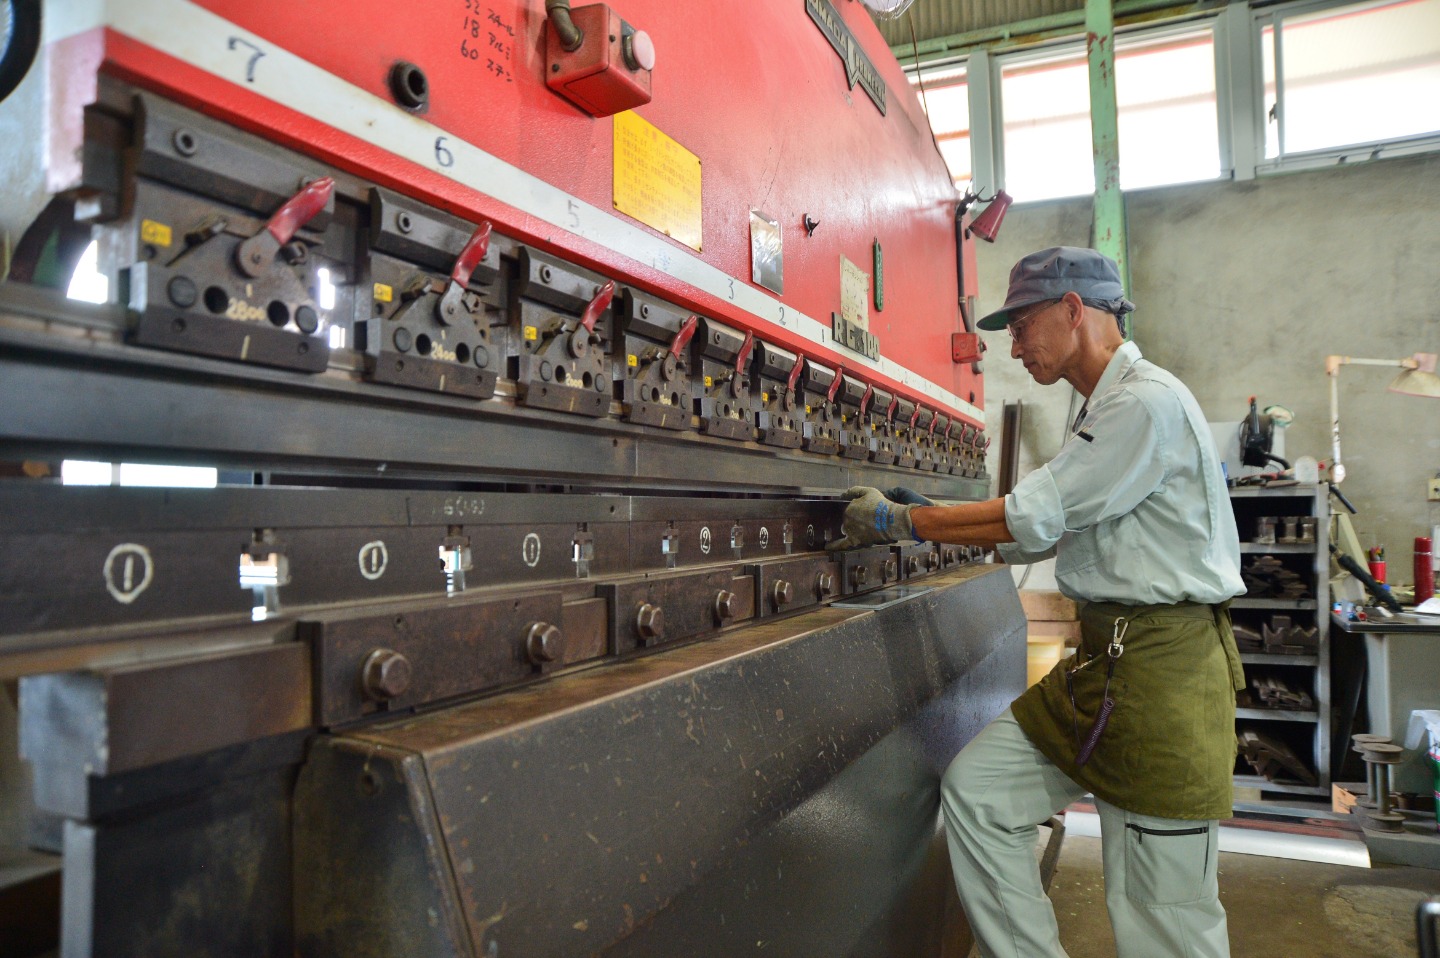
1046, 104
1354, 74
947, 100
1165, 95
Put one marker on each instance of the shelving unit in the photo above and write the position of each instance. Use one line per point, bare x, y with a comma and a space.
1305, 732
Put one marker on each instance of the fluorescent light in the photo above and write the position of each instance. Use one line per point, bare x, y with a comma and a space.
184, 477
79, 472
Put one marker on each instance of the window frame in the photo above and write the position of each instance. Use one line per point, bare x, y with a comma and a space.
1237, 33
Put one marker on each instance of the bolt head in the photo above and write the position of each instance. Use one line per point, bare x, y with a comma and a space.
782, 593
824, 583
543, 643
385, 675
650, 621
726, 605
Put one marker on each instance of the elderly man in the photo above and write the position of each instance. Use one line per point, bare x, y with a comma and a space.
1135, 512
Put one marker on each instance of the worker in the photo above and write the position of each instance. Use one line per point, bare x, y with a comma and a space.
1135, 512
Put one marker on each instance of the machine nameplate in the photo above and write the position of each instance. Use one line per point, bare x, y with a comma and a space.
858, 68
854, 294
657, 181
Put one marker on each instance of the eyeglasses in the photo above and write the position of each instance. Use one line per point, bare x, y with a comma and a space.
1020, 327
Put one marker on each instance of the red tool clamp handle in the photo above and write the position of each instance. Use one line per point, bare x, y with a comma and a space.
865, 399
684, 335
598, 305
835, 386
934, 421
915, 416
890, 410
472, 255
795, 373
300, 209
743, 356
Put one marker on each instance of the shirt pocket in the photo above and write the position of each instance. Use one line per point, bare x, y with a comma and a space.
1169, 865
1078, 551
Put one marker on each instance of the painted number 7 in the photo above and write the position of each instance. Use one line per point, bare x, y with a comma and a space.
235, 43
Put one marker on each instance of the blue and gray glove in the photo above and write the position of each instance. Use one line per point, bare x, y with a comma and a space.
907, 497
872, 520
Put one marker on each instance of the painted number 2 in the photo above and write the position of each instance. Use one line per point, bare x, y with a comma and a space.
235, 44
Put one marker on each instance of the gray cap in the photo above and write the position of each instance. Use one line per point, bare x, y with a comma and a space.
1053, 272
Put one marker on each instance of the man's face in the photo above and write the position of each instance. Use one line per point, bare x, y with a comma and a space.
1037, 339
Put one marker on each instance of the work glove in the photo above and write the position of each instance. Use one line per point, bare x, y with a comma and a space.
872, 520
907, 497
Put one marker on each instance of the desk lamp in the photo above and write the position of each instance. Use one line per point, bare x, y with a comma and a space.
1417, 378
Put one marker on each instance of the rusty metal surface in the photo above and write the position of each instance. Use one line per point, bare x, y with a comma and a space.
640, 807
103, 722
464, 646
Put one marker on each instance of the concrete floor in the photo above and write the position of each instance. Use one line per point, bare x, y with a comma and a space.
1277, 908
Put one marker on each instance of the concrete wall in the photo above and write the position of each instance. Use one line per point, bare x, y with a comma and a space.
1244, 288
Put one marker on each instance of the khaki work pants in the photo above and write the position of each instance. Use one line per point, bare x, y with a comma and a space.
1160, 873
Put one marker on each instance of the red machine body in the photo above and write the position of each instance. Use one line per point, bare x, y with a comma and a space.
758, 94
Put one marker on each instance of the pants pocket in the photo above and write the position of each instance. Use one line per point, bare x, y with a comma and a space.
1167, 866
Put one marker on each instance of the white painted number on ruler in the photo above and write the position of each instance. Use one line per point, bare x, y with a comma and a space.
236, 43
530, 550
128, 571
705, 539
373, 558
764, 538
442, 155
810, 535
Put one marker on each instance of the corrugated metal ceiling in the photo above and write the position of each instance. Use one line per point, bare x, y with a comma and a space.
943, 18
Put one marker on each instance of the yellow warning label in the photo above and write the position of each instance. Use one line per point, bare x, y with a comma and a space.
807, 409
709, 382
632, 360
531, 333
764, 397
153, 232
383, 293
657, 181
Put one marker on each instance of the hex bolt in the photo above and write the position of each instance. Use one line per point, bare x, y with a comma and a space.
650, 621
891, 570
949, 556
824, 584
542, 643
782, 593
385, 675
912, 565
859, 574
182, 292
726, 605
932, 561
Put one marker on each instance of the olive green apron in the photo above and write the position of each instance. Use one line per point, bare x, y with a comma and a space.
1168, 744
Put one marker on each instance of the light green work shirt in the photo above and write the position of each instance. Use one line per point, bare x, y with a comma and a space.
1134, 507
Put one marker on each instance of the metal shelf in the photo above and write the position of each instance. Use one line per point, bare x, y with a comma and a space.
1294, 604
1277, 715
1278, 658
1310, 736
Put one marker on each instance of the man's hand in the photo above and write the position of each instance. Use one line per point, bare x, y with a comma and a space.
908, 497
872, 520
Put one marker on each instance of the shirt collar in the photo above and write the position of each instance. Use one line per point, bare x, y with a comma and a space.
1118, 366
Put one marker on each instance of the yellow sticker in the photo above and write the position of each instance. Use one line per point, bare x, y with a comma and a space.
709, 382
807, 409
383, 293
153, 232
764, 397
531, 333
632, 360
657, 181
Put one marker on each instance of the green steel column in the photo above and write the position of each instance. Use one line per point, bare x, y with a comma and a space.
1107, 226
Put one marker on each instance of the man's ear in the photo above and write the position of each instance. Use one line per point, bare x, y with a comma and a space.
1075, 307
